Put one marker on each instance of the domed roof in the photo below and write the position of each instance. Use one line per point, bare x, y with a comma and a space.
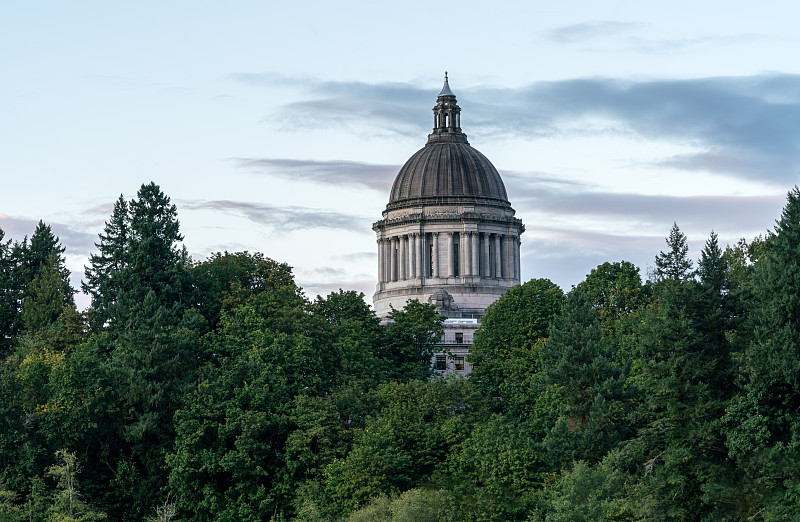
444, 171
447, 170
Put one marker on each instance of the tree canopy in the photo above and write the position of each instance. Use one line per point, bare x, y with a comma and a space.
216, 389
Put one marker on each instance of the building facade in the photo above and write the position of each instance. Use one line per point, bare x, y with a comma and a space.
448, 235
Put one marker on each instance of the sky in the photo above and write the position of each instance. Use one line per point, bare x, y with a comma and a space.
278, 127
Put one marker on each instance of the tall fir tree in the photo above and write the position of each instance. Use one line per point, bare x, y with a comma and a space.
763, 422
154, 261
8, 295
674, 264
586, 386
105, 268
684, 385
27, 258
47, 295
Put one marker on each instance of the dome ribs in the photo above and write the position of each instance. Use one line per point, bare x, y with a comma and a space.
447, 170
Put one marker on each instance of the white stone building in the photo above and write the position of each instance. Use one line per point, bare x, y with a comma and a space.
448, 235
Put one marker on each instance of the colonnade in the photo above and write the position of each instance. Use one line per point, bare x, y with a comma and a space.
465, 254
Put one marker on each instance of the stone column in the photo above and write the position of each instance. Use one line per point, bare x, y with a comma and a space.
463, 254
380, 260
487, 261
403, 258
508, 261
449, 261
498, 267
420, 241
473, 236
435, 254
517, 275
387, 259
392, 241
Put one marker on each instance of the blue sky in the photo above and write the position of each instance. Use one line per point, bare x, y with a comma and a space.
278, 128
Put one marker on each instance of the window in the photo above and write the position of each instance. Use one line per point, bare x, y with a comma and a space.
441, 363
459, 364
430, 257
456, 259
460, 337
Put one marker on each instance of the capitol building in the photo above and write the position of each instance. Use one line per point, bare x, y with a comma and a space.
448, 235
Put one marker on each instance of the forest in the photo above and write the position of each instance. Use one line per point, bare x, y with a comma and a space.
217, 390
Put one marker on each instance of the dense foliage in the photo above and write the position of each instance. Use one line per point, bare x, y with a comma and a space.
217, 390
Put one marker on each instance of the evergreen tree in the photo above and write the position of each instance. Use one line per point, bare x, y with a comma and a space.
47, 295
154, 262
103, 275
763, 424
674, 264
152, 357
585, 386
8, 295
713, 267
25, 261
684, 384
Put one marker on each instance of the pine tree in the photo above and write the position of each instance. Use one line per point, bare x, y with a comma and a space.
675, 263
103, 275
713, 266
47, 295
152, 356
155, 263
8, 295
585, 385
763, 422
27, 259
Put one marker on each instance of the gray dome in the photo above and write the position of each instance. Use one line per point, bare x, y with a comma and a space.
445, 172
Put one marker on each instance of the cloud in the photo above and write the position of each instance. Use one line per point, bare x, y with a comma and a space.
741, 126
623, 37
284, 219
336, 172
359, 256
77, 240
724, 213
313, 288
588, 31
348, 104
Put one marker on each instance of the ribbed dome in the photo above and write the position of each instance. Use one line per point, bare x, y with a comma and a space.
443, 172
447, 170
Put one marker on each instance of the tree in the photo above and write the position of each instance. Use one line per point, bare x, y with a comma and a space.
408, 342
8, 295
67, 505
353, 335
48, 295
103, 274
399, 446
24, 262
684, 384
675, 263
225, 279
615, 291
585, 386
713, 266
155, 263
763, 426
507, 349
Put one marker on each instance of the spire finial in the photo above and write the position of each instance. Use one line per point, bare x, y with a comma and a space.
446, 88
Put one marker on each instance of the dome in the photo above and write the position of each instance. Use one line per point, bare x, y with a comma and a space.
444, 172
447, 170
448, 235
